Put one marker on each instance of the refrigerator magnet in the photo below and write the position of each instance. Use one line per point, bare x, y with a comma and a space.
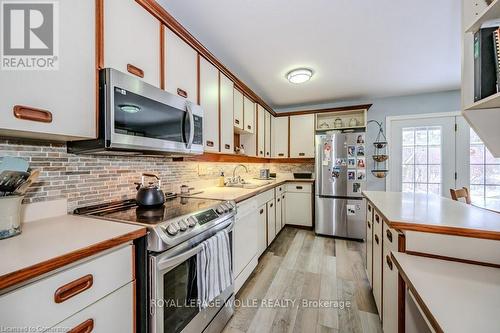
351, 162
361, 150
351, 151
360, 139
361, 175
351, 210
356, 187
361, 163
351, 175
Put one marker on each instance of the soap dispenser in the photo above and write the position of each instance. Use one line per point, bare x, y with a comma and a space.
221, 179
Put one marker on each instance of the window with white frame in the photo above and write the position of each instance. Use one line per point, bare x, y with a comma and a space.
484, 172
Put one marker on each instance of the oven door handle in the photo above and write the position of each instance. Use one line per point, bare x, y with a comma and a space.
191, 126
167, 263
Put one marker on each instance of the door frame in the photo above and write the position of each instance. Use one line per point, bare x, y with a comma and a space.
388, 125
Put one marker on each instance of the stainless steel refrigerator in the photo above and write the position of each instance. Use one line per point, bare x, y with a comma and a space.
340, 178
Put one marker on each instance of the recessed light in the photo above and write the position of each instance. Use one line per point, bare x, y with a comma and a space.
129, 108
299, 75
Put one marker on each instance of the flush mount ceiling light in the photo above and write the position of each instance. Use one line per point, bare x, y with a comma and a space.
129, 108
299, 75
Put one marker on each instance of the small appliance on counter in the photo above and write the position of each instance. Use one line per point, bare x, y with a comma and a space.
149, 195
265, 174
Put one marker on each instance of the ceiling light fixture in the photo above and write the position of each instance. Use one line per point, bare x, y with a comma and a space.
129, 108
299, 75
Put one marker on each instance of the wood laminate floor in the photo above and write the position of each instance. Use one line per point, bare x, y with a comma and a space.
298, 270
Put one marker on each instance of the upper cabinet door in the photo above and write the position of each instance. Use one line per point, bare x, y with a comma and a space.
267, 138
56, 104
209, 101
131, 40
249, 115
279, 134
226, 88
261, 131
238, 109
302, 136
181, 68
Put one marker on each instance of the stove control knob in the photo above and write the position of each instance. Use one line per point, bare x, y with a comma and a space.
172, 229
226, 207
230, 205
183, 225
191, 221
220, 210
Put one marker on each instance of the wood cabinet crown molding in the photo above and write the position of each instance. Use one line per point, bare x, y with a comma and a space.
338, 109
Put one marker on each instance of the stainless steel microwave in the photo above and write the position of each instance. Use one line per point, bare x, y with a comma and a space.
138, 118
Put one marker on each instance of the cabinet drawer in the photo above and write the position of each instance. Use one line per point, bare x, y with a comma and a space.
113, 313
390, 238
377, 272
377, 225
369, 212
63, 294
299, 187
390, 293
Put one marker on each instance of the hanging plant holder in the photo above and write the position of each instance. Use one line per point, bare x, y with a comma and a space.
379, 156
380, 173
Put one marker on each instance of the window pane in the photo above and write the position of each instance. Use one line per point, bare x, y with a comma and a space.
435, 189
474, 138
421, 136
420, 188
408, 187
493, 174
408, 137
421, 155
476, 174
434, 155
408, 155
476, 154
435, 136
493, 191
477, 192
407, 174
421, 173
434, 174
490, 159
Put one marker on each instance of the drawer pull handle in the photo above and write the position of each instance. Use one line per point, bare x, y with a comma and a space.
182, 93
389, 262
236, 121
261, 152
389, 235
299, 187
283, 196
86, 327
377, 219
281, 154
33, 114
369, 208
271, 205
278, 199
369, 224
227, 146
210, 143
302, 154
135, 70
73, 288
376, 239
261, 211
267, 153
249, 127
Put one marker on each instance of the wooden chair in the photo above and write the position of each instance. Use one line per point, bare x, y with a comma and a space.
461, 193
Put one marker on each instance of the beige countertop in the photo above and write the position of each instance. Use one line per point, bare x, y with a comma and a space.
51, 243
455, 297
240, 194
432, 213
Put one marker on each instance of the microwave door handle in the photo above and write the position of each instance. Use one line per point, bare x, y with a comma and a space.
191, 126
164, 264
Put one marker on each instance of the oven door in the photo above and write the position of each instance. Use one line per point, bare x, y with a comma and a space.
174, 293
142, 117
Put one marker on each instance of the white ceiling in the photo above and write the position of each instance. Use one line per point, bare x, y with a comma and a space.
357, 48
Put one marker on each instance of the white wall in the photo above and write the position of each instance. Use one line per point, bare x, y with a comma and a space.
447, 101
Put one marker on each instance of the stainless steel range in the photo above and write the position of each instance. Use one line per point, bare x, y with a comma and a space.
176, 232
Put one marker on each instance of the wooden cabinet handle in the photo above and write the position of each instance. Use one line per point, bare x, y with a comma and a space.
86, 327
261, 152
267, 153
182, 93
33, 114
236, 121
369, 208
210, 143
283, 196
389, 235
389, 262
271, 205
302, 154
261, 211
278, 199
149, 174
369, 224
135, 70
377, 218
281, 154
298, 187
376, 239
249, 127
73, 288
226, 146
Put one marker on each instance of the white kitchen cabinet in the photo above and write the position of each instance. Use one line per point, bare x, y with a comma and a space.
279, 137
181, 67
131, 40
248, 115
279, 213
283, 210
67, 95
369, 243
245, 235
377, 262
271, 221
238, 109
389, 281
267, 136
262, 230
96, 279
226, 114
113, 313
209, 101
261, 131
299, 204
302, 136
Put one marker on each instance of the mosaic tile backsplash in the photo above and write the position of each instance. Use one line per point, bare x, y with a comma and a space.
85, 180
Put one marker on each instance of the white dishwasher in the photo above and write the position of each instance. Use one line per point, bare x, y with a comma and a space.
245, 239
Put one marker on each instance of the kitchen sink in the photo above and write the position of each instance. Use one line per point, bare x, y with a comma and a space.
249, 185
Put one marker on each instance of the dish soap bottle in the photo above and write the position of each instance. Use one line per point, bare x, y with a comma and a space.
221, 179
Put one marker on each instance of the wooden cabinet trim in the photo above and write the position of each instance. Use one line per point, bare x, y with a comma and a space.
162, 57
135, 70
32, 114
86, 327
73, 288
339, 109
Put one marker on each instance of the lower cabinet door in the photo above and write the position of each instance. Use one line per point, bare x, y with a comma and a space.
299, 209
245, 237
390, 295
113, 313
262, 227
369, 252
279, 215
271, 221
377, 272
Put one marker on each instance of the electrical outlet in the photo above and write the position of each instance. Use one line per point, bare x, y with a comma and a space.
202, 169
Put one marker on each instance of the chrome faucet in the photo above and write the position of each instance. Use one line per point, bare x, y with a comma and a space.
235, 179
